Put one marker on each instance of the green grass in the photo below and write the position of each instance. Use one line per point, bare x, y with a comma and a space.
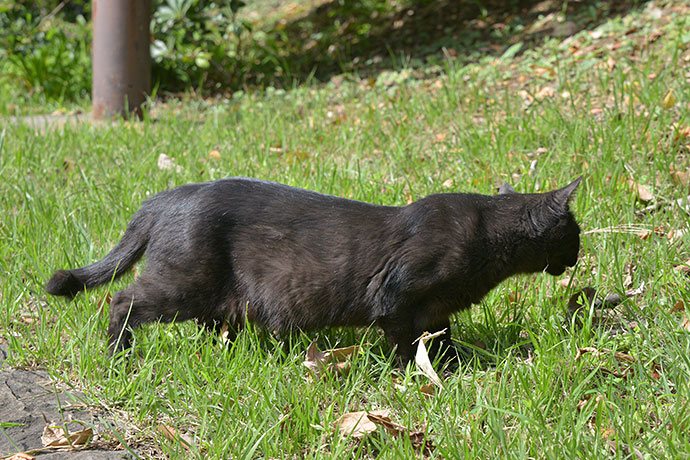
67, 193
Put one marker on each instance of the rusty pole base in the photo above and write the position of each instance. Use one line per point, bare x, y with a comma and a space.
121, 57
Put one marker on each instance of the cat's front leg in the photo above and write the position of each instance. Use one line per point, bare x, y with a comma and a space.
399, 330
442, 349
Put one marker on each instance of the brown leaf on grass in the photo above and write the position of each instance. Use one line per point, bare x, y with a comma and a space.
625, 360
599, 399
339, 354
641, 192
683, 268
104, 301
296, 156
173, 435
357, 424
418, 439
655, 371
595, 422
679, 306
669, 100
390, 426
526, 97
315, 359
626, 450
545, 92
422, 360
673, 235
610, 63
681, 132
55, 437
654, 36
681, 178
440, 137
330, 361
428, 389
620, 356
546, 72
361, 423
644, 234
21, 456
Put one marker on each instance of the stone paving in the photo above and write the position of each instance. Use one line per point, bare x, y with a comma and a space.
28, 398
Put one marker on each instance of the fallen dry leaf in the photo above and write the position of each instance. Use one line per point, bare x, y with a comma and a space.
104, 301
681, 132
21, 456
357, 424
55, 437
681, 178
296, 156
620, 356
644, 234
418, 439
422, 357
390, 426
428, 389
319, 363
684, 267
173, 435
669, 100
610, 63
546, 72
654, 36
583, 402
641, 192
526, 97
679, 306
339, 354
686, 323
626, 451
545, 92
673, 235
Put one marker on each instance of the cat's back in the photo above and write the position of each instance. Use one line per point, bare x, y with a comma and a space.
252, 200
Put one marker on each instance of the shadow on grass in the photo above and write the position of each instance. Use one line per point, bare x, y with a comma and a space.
367, 36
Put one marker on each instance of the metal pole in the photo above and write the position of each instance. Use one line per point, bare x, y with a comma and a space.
121, 57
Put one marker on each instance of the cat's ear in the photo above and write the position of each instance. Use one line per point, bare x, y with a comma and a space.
562, 196
506, 189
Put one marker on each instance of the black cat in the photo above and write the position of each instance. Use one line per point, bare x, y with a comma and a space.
291, 259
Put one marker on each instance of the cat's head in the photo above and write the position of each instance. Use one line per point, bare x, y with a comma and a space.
554, 228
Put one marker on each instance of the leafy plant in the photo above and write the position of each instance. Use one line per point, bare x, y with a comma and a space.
46, 56
197, 43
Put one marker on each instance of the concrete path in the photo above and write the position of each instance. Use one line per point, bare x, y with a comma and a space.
26, 397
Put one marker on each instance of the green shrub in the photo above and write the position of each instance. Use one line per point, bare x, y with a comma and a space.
44, 54
196, 43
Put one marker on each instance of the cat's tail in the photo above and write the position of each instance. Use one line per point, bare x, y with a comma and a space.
120, 259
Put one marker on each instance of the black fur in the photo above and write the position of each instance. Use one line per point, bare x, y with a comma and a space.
291, 259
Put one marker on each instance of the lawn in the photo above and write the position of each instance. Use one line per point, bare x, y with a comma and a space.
552, 373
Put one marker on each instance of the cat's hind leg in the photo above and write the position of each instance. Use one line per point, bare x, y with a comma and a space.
140, 303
